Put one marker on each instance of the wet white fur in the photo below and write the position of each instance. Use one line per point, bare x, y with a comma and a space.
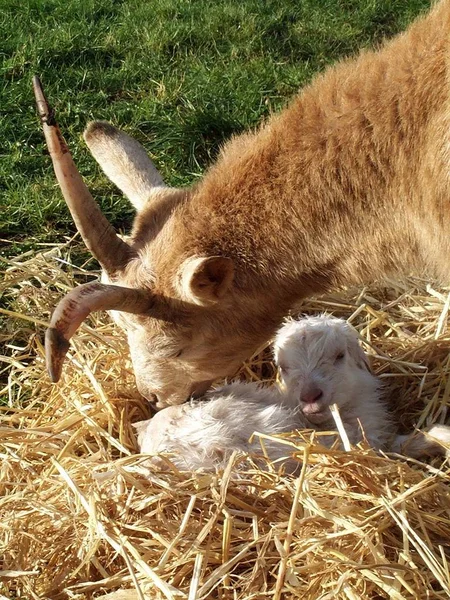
315, 353
324, 352
203, 434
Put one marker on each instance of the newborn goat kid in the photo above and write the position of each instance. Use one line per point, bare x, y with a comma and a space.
320, 363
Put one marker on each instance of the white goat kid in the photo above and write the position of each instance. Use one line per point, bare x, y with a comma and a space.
320, 363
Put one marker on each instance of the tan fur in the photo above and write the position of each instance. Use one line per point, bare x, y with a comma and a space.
348, 184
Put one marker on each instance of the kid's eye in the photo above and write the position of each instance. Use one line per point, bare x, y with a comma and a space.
339, 356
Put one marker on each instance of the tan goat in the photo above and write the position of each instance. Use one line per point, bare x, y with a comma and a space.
349, 183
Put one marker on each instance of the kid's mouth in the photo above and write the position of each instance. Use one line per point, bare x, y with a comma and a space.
316, 411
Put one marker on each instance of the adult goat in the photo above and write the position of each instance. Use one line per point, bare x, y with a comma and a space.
348, 184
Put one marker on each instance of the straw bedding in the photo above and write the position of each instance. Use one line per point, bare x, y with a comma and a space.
81, 516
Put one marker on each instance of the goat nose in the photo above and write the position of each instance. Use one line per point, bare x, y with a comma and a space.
147, 392
311, 394
153, 399
199, 389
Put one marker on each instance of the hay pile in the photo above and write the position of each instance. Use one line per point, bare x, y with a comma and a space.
80, 517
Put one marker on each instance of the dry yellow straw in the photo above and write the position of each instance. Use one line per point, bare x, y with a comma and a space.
83, 517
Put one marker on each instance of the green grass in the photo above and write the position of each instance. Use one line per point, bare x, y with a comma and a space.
180, 75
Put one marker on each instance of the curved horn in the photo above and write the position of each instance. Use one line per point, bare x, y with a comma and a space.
76, 306
97, 233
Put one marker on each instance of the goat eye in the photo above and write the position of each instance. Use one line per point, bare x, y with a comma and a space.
339, 356
176, 354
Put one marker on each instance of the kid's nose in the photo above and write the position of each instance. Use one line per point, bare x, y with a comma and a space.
311, 393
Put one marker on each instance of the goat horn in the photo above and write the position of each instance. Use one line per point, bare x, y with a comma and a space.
76, 306
97, 233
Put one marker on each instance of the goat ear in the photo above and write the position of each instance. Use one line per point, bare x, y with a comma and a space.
358, 354
206, 280
125, 162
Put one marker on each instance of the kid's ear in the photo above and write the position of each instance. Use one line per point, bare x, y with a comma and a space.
206, 280
358, 354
